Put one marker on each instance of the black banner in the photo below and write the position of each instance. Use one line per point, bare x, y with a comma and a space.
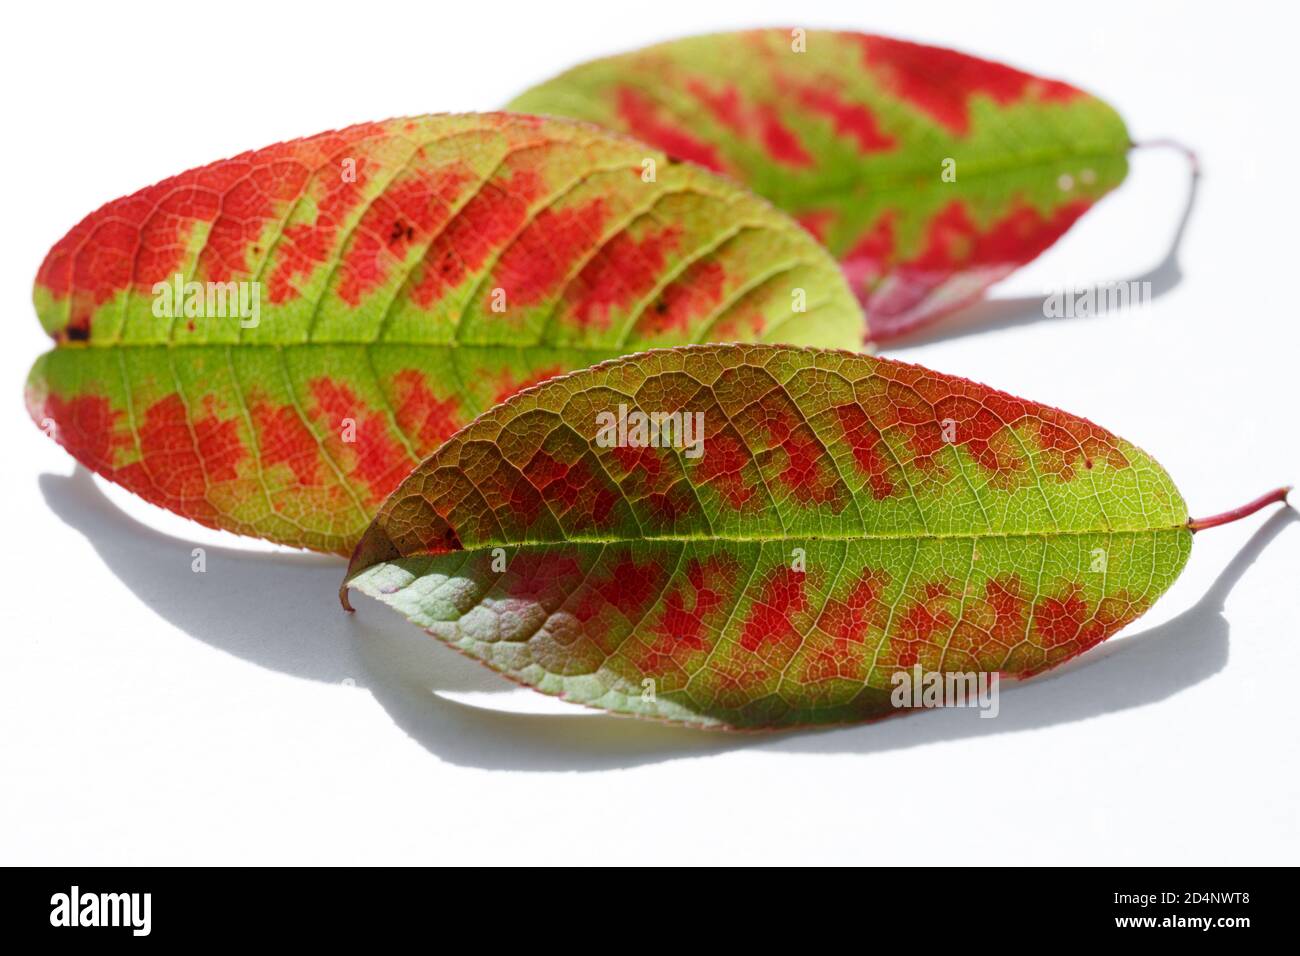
335, 906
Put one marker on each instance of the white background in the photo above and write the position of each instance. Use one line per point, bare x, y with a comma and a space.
152, 715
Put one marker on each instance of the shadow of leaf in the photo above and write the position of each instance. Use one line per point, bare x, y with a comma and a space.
281, 612
274, 610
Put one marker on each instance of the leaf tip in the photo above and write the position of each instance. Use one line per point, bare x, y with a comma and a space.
375, 546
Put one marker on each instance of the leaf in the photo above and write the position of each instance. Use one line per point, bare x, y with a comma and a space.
853, 136
849, 518
407, 275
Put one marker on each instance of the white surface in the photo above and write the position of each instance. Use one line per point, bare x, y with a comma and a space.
150, 715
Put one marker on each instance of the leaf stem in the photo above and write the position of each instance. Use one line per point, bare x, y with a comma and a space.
1277, 494
1167, 143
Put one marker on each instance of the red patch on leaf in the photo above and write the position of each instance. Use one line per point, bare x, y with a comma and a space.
779, 140
178, 459
693, 295
426, 420
257, 198
808, 472
629, 588
941, 82
920, 623
816, 222
373, 458
850, 618
724, 104
303, 247
921, 414
86, 425
852, 120
507, 385
769, 617
724, 461
869, 450
572, 491
1060, 619
848, 621
644, 119
655, 479
542, 577
690, 612
621, 274
410, 211
140, 239
1066, 624
867, 259
958, 261
178, 462
376, 457
483, 226
1009, 606
955, 240
284, 439
685, 615
992, 625
542, 256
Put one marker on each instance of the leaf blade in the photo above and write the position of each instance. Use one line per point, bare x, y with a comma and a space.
377, 254
625, 564
851, 137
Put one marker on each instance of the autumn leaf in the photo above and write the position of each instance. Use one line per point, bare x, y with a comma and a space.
801, 526
270, 343
930, 174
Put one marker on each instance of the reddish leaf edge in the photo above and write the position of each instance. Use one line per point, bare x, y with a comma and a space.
885, 339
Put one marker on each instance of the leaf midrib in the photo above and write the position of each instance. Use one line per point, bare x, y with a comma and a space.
859, 536
908, 180
353, 343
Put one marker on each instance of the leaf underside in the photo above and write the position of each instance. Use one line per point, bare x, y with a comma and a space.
852, 137
849, 517
409, 274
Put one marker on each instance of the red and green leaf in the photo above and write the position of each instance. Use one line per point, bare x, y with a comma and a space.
410, 274
849, 518
851, 137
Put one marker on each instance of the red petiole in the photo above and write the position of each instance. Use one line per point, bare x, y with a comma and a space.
1200, 524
